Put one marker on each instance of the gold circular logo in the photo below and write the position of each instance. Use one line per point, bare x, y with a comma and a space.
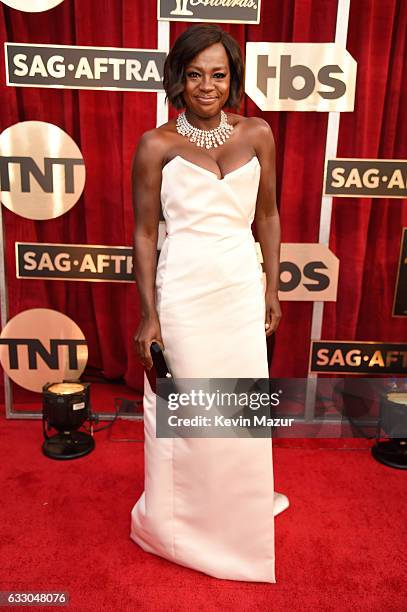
32, 6
40, 346
42, 172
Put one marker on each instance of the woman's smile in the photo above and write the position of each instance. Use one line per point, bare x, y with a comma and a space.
205, 100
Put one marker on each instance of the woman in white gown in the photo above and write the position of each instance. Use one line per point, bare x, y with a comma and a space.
208, 503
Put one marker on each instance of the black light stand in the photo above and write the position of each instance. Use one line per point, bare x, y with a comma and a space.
393, 421
66, 406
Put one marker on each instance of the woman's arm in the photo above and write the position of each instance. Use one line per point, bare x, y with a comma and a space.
146, 186
267, 222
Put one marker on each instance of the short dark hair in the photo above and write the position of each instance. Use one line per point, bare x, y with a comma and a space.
191, 42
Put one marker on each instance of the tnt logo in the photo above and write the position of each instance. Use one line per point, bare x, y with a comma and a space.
42, 172
300, 76
42, 345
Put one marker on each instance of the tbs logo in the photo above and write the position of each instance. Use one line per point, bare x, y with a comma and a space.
300, 76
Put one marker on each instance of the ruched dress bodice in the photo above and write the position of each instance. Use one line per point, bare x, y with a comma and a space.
195, 200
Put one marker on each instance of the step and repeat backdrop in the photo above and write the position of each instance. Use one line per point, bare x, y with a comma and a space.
47, 184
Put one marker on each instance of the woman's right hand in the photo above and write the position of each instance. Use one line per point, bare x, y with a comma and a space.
147, 332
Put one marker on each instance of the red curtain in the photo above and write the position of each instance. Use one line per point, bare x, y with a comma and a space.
107, 125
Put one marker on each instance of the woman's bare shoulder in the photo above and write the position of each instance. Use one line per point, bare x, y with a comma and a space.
156, 140
236, 119
259, 132
256, 127
261, 128
257, 124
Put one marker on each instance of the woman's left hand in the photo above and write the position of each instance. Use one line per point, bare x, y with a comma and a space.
273, 313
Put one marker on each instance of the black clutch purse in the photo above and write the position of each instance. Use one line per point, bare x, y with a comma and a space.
160, 365
160, 368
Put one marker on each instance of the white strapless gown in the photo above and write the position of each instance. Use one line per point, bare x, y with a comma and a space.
208, 502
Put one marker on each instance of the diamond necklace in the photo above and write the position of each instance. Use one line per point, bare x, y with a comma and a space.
205, 138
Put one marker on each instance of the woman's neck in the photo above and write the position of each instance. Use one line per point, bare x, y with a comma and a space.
202, 123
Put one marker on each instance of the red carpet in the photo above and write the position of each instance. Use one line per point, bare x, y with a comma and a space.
65, 526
